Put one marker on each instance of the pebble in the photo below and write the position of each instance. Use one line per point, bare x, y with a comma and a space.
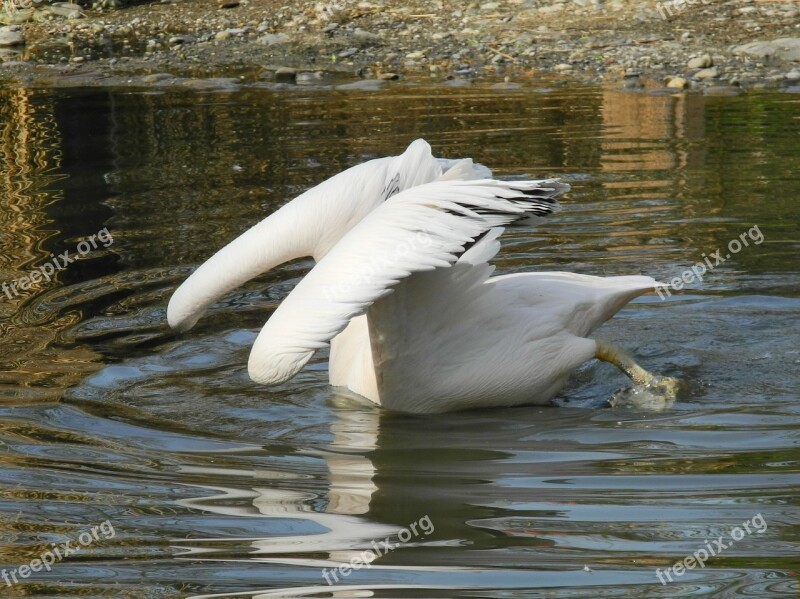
707, 73
229, 33
389, 76
286, 75
793, 75
678, 83
347, 53
273, 39
11, 36
465, 72
701, 62
367, 36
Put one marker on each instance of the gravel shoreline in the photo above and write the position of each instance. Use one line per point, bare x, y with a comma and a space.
717, 47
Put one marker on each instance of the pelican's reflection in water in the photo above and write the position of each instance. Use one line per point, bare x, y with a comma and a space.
337, 525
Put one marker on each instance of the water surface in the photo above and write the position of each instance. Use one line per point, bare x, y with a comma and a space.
217, 487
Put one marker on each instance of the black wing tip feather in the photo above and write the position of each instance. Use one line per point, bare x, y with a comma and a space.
533, 201
540, 201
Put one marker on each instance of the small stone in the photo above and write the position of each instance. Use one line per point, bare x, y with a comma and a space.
490, 6
707, 73
389, 76
367, 36
563, 67
415, 55
632, 83
678, 83
793, 75
273, 39
229, 3
347, 53
226, 34
78, 59
286, 75
330, 27
701, 62
177, 40
11, 36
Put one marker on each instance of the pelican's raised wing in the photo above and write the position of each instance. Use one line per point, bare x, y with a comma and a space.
419, 229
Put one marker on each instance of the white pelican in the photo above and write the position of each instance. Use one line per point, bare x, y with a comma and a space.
401, 289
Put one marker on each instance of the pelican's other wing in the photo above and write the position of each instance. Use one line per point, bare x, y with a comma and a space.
419, 229
309, 225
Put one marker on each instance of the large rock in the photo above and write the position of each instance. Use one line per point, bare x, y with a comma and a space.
787, 48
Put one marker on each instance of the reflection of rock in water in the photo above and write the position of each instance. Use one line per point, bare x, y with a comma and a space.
644, 132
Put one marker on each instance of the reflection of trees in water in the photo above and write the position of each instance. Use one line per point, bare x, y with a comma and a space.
214, 167
31, 156
32, 159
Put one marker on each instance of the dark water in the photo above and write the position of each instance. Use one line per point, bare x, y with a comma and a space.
200, 483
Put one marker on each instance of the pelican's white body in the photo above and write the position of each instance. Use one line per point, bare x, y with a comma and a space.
508, 340
414, 322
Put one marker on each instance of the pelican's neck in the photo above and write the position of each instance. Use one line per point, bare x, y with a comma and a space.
283, 236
